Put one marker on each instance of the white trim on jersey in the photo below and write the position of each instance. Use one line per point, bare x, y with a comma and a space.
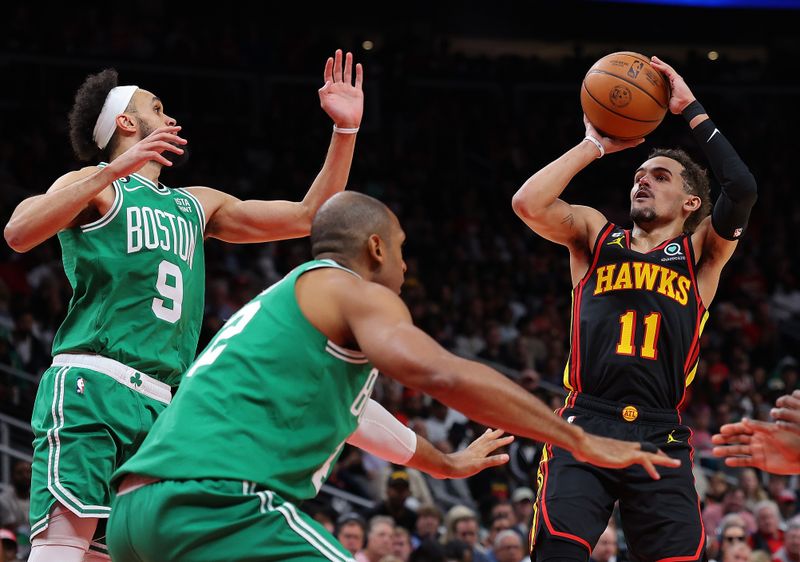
345, 354
64, 496
110, 214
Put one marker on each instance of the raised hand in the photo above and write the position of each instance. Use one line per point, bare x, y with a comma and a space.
610, 145
149, 149
478, 455
342, 100
787, 411
611, 453
681, 95
758, 444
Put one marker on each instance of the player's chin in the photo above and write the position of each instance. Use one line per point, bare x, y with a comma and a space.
642, 214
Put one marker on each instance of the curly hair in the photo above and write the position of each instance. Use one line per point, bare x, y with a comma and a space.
89, 100
695, 182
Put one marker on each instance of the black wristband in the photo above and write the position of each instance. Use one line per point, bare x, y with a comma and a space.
648, 447
692, 110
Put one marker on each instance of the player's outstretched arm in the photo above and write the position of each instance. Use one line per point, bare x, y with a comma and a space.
766, 446
233, 220
382, 326
39, 217
381, 434
538, 201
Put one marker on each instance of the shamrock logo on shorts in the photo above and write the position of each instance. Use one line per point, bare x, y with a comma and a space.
136, 379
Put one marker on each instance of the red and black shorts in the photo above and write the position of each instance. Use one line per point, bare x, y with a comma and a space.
661, 518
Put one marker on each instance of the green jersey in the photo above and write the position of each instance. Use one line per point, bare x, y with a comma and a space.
271, 401
138, 279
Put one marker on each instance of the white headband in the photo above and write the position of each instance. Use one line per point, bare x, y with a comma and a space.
116, 102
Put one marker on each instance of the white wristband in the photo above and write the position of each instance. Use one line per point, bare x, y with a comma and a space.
345, 130
597, 143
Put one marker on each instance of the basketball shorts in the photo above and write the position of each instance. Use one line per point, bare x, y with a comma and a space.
213, 520
90, 415
661, 519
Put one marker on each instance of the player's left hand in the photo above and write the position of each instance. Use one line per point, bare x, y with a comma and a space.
767, 446
609, 145
342, 100
681, 95
478, 455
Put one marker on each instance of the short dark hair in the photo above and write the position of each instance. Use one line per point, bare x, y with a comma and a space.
345, 222
89, 100
695, 182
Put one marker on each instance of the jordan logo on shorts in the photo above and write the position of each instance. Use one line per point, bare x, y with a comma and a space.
671, 439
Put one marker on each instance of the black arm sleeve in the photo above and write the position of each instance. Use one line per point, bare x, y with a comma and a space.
739, 193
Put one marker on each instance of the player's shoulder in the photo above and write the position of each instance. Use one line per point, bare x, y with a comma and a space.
73, 176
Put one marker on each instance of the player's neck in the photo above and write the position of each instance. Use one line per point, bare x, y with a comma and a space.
645, 238
151, 170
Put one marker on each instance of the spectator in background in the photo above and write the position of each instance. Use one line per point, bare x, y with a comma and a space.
768, 535
15, 499
606, 549
732, 530
462, 524
379, 539
508, 547
754, 493
401, 544
732, 502
418, 491
350, 531
429, 521
499, 523
397, 495
522, 499
791, 548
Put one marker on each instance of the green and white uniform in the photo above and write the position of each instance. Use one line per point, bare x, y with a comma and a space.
131, 330
260, 419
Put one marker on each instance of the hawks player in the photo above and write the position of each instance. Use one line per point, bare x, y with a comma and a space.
639, 305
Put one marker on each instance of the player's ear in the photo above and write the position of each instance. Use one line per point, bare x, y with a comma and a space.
376, 249
692, 203
126, 123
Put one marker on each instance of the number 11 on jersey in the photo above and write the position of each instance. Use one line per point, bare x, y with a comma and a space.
652, 325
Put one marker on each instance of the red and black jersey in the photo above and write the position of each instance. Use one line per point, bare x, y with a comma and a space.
636, 322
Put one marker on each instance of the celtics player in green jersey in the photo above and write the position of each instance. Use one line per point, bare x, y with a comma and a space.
133, 253
265, 409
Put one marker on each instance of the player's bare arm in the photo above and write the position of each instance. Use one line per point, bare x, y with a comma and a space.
233, 220
539, 205
381, 325
716, 237
81, 196
383, 435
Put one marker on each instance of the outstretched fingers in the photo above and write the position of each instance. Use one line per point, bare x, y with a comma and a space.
337, 66
327, 74
359, 75
649, 456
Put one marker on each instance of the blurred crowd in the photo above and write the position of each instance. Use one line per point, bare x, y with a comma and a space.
446, 141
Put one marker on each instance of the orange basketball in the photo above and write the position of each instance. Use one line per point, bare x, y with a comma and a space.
623, 96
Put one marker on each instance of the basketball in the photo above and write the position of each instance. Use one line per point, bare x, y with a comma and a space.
623, 96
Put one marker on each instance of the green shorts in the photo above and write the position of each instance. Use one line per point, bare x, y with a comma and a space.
213, 520
85, 424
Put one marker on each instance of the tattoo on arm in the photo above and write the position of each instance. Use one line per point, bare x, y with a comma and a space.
569, 220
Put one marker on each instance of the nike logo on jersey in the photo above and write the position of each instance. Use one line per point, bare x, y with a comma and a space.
712, 134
